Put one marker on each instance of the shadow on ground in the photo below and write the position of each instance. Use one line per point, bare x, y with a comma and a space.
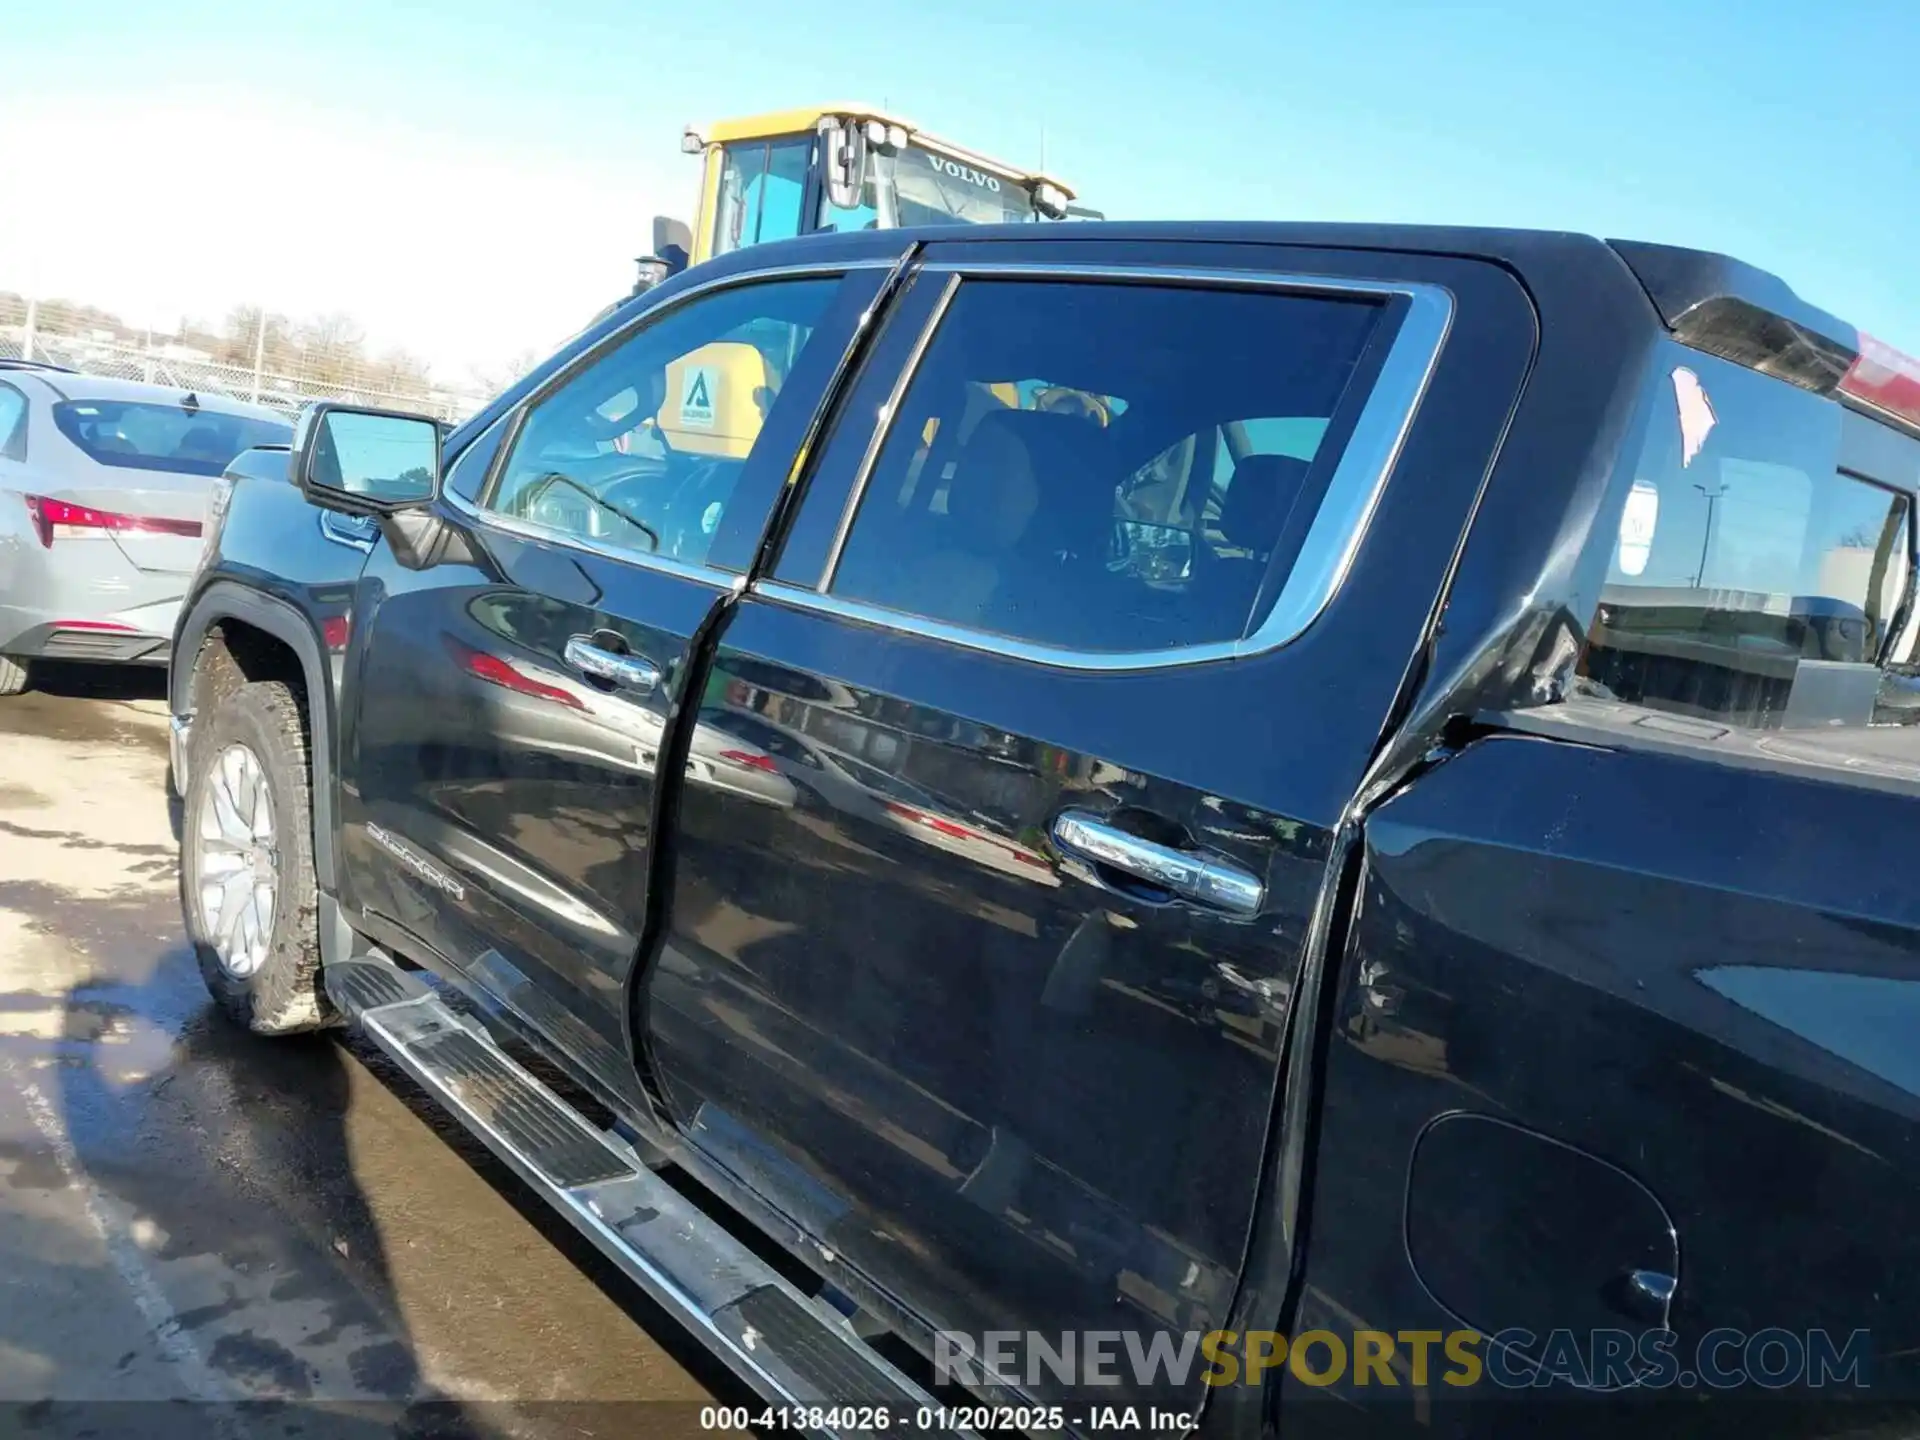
72, 681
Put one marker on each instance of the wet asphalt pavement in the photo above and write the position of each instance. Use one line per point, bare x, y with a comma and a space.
191, 1217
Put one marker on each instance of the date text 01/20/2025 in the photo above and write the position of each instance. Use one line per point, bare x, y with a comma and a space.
881, 1419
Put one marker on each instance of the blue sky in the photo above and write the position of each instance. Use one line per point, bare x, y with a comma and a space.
1776, 131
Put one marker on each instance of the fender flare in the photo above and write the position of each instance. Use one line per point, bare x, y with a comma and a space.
224, 600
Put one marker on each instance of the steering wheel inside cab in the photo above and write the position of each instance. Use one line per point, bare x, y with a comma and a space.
690, 501
667, 507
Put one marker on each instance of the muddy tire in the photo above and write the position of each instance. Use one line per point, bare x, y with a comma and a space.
247, 887
13, 676
213, 678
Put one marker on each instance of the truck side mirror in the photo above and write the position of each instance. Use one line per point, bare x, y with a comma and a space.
365, 462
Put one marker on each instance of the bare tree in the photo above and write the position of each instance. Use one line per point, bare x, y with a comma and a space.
56, 316
397, 372
332, 349
492, 379
315, 355
201, 336
240, 340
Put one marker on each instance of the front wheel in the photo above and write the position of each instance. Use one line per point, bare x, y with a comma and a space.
247, 885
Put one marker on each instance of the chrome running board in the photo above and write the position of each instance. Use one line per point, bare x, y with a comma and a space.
791, 1350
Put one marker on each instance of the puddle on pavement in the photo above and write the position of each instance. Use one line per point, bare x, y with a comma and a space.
285, 1197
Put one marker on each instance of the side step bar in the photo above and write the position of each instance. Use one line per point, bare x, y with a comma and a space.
790, 1350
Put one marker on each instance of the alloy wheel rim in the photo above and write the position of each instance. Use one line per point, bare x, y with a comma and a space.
238, 875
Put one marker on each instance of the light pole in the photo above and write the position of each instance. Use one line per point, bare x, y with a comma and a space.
1712, 492
259, 353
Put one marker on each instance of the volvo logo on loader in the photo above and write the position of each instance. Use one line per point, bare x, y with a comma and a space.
966, 173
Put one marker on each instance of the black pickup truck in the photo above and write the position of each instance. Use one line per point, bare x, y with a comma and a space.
1261, 827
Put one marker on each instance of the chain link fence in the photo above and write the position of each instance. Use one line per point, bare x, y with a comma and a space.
279, 392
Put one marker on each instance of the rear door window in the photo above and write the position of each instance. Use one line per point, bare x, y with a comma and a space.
1177, 510
1753, 581
1106, 467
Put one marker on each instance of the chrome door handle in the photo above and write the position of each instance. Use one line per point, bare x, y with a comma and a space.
633, 672
1211, 882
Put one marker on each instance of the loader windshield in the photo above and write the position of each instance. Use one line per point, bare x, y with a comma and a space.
932, 189
923, 186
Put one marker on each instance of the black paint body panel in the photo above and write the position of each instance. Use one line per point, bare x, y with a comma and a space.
1702, 975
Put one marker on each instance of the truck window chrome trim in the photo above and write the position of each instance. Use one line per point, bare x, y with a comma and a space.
883, 426
493, 520
480, 513
1339, 525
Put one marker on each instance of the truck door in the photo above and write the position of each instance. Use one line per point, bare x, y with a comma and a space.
499, 765
1069, 704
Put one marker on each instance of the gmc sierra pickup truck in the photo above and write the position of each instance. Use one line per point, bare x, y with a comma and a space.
1252, 827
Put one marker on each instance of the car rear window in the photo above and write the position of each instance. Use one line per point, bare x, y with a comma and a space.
1755, 579
186, 440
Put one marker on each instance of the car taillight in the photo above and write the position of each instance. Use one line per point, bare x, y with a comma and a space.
747, 760
496, 671
57, 520
933, 822
1885, 379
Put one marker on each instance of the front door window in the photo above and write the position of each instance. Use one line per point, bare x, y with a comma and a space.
640, 450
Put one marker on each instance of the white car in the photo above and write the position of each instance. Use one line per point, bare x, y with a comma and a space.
103, 490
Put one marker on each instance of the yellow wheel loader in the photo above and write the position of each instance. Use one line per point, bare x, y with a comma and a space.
842, 167
825, 168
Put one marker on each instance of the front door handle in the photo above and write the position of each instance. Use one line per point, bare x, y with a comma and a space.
631, 672
1211, 882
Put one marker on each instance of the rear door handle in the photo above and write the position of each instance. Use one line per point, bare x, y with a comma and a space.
632, 672
1200, 878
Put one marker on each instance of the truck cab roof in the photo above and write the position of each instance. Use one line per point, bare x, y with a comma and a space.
1708, 300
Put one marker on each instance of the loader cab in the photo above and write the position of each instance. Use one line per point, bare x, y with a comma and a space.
796, 172
850, 167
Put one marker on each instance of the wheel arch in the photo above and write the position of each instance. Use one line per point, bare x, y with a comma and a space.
265, 638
